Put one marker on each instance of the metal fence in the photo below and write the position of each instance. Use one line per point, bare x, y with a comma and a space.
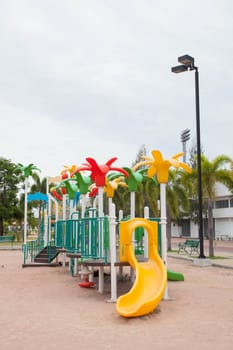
88, 236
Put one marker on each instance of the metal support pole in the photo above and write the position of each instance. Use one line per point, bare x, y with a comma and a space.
112, 222
25, 212
163, 219
187, 64
101, 242
200, 217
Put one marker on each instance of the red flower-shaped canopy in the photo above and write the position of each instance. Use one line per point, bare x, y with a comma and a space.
99, 172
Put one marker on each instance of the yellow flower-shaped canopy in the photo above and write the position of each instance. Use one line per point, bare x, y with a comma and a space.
160, 167
112, 185
68, 169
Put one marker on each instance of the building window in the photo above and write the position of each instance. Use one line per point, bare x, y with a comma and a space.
231, 202
224, 203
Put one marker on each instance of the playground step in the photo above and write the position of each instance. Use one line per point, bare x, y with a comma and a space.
46, 255
41, 264
41, 260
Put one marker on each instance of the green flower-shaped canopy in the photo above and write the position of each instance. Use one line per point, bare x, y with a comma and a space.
27, 170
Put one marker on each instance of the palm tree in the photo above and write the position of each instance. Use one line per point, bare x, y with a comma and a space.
121, 200
146, 193
27, 171
151, 195
213, 172
177, 200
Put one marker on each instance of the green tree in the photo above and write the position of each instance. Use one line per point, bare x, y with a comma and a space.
177, 199
9, 181
140, 200
139, 156
151, 195
193, 154
122, 200
147, 194
122, 195
217, 170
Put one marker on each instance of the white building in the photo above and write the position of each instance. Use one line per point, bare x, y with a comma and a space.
223, 218
223, 213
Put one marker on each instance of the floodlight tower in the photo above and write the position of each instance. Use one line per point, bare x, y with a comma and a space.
184, 137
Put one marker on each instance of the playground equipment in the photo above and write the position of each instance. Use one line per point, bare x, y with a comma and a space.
27, 171
151, 276
85, 272
160, 167
94, 236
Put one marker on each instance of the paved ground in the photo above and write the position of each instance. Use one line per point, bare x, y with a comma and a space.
45, 309
223, 251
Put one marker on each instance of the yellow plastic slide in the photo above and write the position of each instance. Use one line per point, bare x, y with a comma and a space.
151, 276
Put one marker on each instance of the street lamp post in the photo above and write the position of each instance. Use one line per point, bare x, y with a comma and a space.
187, 64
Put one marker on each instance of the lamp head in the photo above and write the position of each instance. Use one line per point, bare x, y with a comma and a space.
179, 69
186, 60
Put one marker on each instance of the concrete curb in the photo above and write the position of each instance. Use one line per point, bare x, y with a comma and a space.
214, 264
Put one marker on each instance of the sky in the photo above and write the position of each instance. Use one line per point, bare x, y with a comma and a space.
93, 78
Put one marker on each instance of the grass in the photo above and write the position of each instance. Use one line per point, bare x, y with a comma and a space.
218, 257
14, 244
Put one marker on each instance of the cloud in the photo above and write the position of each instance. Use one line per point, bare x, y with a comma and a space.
93, 79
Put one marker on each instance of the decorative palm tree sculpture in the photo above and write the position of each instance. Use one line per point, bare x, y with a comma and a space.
83, 183
74, 185
111, 186
68, 170
98, 175
160, 167
133, 180
26, 171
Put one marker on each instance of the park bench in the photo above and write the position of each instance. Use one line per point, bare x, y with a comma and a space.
7, 239
189, 246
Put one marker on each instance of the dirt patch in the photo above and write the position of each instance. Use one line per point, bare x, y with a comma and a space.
44, 308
